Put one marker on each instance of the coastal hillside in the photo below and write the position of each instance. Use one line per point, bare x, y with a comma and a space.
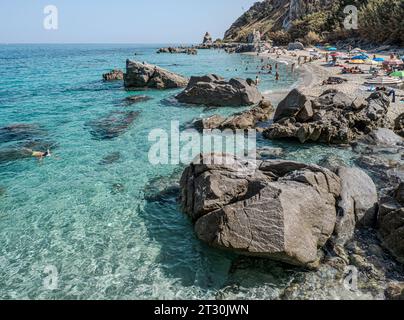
310, 21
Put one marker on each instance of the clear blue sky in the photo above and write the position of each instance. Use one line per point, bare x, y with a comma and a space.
118, 21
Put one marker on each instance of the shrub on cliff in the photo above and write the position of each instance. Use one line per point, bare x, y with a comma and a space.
382, 21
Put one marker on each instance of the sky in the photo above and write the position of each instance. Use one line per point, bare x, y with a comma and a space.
118, 21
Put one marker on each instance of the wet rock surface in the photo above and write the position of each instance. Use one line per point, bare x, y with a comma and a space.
212, 90
144, 75
332, 118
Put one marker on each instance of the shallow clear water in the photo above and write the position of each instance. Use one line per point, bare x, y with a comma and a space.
88, 217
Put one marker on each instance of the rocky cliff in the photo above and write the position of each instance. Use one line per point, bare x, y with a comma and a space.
314, 20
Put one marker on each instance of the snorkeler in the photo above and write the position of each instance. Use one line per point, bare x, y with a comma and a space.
40, 155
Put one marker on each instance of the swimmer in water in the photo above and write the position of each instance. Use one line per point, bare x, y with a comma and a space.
40, 155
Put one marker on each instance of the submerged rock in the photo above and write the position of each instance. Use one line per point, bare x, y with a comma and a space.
212, 90
111, 158
2, 191
332, 118
113, 125
136, 99
283, 210
144, 75
243, 120
113, 75
10, 155
391, 221
19, 132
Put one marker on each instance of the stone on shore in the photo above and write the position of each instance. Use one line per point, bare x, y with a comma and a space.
295, 46
144, 75
333, 118
212, 90
399, 125
283, 210
113, 75
243, 120
391, 221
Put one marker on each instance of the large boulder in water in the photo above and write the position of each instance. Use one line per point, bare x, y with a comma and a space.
212, 90
207, 39
282, 210
333, 118
358, 203
291, 105
391, 221
113, 75
144, 75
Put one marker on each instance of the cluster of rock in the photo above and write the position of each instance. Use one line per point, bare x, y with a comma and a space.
189, 51
212, 90
282, 210
391, 221
113, 75
243, 120
399, 125
207, 39
144, 75
333, 117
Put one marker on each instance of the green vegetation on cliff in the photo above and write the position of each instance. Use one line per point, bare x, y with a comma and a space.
310, 21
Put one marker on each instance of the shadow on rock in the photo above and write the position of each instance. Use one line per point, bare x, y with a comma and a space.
113, 125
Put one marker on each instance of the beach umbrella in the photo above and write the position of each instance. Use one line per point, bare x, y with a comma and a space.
378, 59
360, 57
357, 61
399, 74
332, 49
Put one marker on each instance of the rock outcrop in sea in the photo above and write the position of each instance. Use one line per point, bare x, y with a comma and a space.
189, 51
243, 120
113, 75
282, 210
212, 90
144, 75
207, 39
333, 118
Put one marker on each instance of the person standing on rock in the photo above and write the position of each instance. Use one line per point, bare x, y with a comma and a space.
277, 76
257, 80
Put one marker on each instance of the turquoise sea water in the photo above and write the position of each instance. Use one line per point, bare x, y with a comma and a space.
87, 211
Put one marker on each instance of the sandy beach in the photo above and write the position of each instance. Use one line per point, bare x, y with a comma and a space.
315, 72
